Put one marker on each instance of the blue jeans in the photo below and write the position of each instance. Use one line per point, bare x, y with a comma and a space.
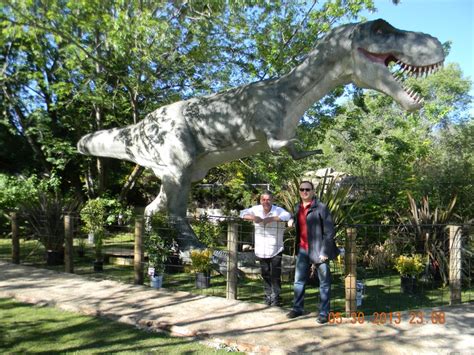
301, 278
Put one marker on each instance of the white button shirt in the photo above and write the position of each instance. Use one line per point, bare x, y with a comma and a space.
269, 237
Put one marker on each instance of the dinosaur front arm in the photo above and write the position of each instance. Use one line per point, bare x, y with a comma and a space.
296, 154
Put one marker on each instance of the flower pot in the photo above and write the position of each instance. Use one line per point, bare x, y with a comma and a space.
98, 266
54, 257
203, 280
408, 284
173, 264
156, 281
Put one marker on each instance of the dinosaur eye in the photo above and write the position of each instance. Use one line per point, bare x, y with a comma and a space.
379, 27
379, 30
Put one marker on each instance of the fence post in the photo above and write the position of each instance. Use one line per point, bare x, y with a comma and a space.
15, 238
454, 264
350, 268
68, 244
232, 242
138, 251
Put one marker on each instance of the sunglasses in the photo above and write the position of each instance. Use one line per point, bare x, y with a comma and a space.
305, 189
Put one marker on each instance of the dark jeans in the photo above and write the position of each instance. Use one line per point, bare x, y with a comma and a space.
271, 274
301, 278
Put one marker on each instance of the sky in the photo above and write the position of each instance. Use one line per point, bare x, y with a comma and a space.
448, 20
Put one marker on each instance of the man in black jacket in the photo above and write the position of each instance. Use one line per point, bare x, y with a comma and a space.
315, 235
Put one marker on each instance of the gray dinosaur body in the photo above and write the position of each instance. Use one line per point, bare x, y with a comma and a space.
180, 142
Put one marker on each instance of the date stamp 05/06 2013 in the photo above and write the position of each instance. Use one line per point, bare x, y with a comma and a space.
389, 318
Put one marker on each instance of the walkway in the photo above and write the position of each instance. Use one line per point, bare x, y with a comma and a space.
250, 327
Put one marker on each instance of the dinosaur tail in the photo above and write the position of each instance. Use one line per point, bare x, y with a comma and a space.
110, 143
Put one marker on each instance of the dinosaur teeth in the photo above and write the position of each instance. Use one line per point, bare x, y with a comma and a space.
401, 71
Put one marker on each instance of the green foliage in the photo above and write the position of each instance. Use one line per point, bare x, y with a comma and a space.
15, 191
159, 241
337, 197
208, 232
426, 153
201, 260
161, 226
93, 215
430, 227
409, 265
101, 212
45, 215
158, 251
380, 256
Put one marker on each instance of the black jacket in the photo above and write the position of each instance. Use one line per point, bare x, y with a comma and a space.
320, 232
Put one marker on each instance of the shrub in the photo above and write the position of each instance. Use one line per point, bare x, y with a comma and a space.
45, 215
93, 215
97, 214
207, 231
380, 256
409, 265
160, 242
201, 260
157, 251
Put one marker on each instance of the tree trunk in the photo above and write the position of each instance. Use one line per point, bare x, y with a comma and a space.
132, 178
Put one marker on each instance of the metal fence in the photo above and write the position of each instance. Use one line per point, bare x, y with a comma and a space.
364, 276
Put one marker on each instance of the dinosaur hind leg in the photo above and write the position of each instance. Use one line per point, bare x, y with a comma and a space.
158, 204
173, 196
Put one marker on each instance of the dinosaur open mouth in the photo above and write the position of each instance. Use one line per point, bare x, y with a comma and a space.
401, 70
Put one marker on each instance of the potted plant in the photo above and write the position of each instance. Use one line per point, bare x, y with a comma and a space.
201, 265
45, 216
157, 251
93, 215
81, 247
409, 268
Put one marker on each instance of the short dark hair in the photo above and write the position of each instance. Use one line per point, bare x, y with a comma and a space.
267, 192
307, 182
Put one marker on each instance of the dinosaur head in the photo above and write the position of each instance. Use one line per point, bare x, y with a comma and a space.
384, 57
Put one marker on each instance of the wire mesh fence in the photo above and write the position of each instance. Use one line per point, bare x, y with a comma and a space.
381, 270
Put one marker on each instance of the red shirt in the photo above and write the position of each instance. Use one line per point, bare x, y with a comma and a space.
303, 228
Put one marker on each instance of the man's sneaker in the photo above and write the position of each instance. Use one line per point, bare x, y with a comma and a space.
321, 319
293, 314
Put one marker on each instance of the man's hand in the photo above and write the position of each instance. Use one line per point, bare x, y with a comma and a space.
270, 219
323, 258
257, 219
291, 223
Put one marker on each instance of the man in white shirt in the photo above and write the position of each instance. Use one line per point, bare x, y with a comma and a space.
269, 221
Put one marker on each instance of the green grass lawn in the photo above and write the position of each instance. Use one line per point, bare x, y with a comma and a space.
30, 329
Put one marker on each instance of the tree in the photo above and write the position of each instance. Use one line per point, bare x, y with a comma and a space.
427, 153
72, 67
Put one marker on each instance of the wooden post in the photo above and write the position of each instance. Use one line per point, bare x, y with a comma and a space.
68, 244
15, 239
232, 242
455, 264
350, 271
138, 252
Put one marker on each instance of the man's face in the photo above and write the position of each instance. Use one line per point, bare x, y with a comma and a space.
266, 201
306, 192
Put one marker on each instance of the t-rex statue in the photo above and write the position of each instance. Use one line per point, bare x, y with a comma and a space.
181, 141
